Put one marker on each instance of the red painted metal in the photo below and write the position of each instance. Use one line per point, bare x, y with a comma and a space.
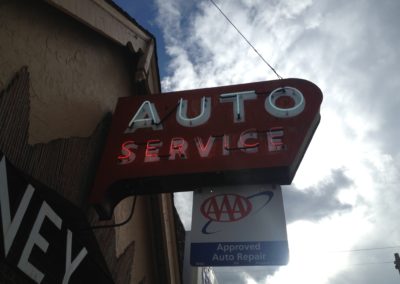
116, 179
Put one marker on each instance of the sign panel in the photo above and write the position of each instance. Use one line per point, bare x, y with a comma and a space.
240, 134
239, 226
44, 236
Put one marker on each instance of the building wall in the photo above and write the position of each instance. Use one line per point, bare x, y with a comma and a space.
76, 74
58, 81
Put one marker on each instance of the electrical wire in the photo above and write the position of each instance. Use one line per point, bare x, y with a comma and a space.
119, 224
244, 37
369, 263
365, 249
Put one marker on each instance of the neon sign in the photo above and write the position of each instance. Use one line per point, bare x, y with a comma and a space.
248, 142
244, 134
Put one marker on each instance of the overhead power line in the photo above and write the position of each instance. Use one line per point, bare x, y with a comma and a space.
369, 263
365, 249
248, 42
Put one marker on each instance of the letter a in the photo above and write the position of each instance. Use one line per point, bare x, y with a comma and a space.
146, 116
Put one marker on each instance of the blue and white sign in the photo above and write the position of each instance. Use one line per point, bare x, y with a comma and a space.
239, 226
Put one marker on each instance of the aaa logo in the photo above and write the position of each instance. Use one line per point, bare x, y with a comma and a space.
226, 207
230, 208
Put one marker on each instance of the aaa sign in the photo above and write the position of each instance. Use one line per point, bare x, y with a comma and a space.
241, 134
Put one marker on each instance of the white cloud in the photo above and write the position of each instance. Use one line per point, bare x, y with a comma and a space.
183, 203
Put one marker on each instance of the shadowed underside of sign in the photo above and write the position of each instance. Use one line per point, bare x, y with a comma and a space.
241, 134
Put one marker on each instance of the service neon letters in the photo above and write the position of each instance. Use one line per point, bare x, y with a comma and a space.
235, 134
249, 141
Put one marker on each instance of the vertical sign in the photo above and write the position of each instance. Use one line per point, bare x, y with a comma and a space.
239, 226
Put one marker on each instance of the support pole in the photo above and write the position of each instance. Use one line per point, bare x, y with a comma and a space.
397, 261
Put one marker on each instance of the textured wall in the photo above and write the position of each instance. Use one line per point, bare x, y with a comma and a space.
72, 78
142, 265
76, 74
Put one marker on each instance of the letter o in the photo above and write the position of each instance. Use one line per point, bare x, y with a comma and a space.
293, 93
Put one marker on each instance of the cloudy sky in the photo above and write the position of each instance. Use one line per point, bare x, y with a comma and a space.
343, 207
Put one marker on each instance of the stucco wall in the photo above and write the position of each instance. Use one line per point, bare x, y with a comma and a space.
138, 231
76, 74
